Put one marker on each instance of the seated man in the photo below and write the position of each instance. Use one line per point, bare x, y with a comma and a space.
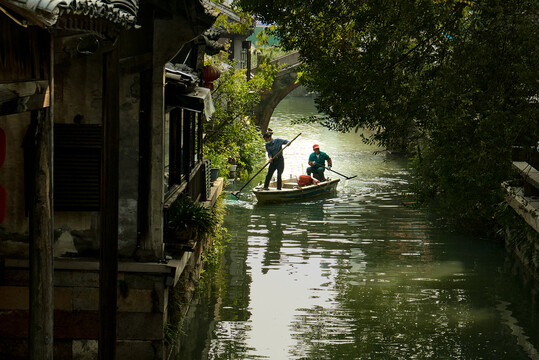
317, 162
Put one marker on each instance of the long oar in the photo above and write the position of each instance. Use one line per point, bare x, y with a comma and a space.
347, 177
267, 163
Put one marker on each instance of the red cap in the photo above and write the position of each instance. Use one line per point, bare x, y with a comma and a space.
315, 146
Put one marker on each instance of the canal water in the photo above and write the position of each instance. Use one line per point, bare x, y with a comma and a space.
358, 275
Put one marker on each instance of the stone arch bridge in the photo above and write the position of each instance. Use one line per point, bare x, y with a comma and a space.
285, 82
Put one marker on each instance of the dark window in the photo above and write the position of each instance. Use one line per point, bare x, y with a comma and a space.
77, 167
183, 144
174, 148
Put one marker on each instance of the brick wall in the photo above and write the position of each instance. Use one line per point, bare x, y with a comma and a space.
142, 303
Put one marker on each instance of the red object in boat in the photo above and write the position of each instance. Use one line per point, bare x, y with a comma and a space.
305, 180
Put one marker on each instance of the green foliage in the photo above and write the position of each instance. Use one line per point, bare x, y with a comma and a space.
452, 81
263, 36
211, 258
188, 215
266, 47
180, 295
231, 134
243, 26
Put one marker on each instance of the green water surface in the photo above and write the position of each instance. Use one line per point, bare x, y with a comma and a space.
358, 275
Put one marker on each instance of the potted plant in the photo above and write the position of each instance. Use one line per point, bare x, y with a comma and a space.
218, 166
214, 174
187, 219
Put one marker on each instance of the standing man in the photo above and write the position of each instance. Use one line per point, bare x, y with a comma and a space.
276, 159
317, 162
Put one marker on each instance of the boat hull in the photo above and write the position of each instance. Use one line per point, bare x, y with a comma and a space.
292, 192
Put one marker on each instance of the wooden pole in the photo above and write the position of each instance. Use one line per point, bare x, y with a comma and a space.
41, 225
41, 300
108, 270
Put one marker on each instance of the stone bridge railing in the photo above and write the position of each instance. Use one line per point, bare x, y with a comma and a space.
286, 61
284, 83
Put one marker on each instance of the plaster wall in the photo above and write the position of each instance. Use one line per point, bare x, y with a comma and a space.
78, 99
129, 164
78, 90
78, 232
14, 228
168, 38
237, 48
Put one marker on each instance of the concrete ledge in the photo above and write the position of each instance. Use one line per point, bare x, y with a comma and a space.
525, 206
528, 172
178, 266
85, 273
215, 191
93, 265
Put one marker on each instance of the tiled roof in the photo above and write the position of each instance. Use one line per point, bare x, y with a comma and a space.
221, 8
181, 73
47, 12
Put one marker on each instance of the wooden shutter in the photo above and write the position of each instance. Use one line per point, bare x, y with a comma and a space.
77, 167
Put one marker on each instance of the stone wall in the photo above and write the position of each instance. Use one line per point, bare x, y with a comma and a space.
142, 304
14, 229
129, 166
152, 300
181, 295
525, 246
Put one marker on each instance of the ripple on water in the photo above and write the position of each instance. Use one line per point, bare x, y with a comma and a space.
359, 275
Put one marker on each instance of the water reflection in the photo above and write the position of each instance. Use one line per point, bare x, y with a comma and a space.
360, 276
272, 254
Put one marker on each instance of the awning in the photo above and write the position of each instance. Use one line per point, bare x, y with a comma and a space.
199, 100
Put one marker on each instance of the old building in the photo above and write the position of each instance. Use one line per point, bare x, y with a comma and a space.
99, 134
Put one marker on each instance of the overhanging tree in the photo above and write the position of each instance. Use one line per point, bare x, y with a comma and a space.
455, 82
230, 132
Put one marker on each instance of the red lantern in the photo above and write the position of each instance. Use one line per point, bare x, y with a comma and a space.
211, 73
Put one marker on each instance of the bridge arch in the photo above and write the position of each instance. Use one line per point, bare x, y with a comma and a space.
285, 82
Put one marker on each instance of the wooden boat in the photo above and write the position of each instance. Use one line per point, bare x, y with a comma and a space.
291, 191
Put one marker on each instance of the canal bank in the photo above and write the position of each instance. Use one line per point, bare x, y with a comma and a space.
522, 195
359, 274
